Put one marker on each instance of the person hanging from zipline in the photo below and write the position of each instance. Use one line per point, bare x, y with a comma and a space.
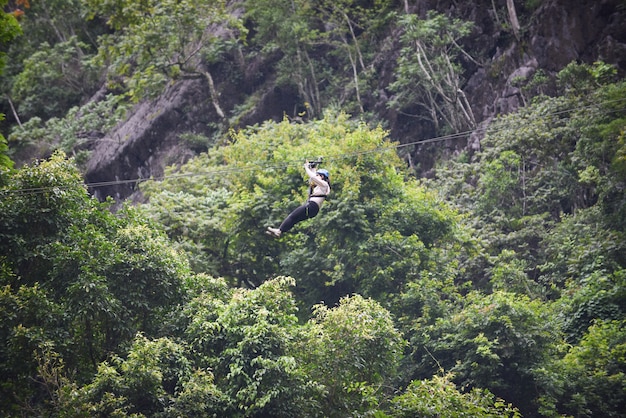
319, 188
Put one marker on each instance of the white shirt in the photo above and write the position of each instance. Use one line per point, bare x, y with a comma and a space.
321, 186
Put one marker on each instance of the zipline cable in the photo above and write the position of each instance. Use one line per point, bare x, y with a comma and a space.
454, 136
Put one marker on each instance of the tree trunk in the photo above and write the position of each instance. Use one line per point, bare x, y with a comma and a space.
513, 18
15, 115
214, 96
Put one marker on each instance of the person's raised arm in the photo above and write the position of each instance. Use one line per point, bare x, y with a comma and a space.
313, 175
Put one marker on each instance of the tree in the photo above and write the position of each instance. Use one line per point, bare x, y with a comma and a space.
109, 298
142, 383
543, 166
287, 27
325, 50
537, 199
248, 340
352, 29
75, 277
589, 380
580, 247
39, 202
56, 21
510, 7
352, 351
428, 76
75, 132
370, 210
240, 353
9, 29
53, 79
439, 396
5, 161
30, 319
158, 41
194, 223
49, 69
497, 342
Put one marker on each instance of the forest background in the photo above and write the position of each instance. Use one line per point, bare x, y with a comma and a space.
470, 260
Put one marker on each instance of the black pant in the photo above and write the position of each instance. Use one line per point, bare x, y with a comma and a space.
301, 213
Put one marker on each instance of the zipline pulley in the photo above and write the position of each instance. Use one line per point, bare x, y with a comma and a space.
315, 163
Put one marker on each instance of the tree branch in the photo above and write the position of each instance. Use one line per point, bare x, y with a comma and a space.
214, 95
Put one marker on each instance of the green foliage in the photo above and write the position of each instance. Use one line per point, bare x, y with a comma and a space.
509, 273
195, 224
533, 89
48, 69
5, 162
54, 79
357, 337
30, 319
316, 37
599, 150
598, 296
148, 47
521, 177
544, 198
101, 316
590, 379
109, 299
439, 396
374, 233
55, 21
535, 227
197, 142
38, 202
198, 397
494, 342
550, 160
261, 361
140, 385
77, 130
499, 177
353, 30
580, 246
428, 76
585, 78
287, 26
9, 30
268, 364
75, 277
376, 244
521, 298
248, 343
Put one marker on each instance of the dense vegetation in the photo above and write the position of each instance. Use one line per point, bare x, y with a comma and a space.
495, 288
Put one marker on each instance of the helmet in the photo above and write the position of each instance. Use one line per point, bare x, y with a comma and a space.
324, 173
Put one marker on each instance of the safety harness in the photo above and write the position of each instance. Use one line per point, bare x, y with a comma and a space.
311, 188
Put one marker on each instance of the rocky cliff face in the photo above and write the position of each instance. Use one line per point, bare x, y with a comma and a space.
552, 34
